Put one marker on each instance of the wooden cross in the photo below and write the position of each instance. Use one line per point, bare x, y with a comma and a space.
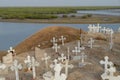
106, 63
15, 67
46, 58
62, 58
76, 50
62, 38
56, 47
53, 40
34, 63
28, 62
67, 66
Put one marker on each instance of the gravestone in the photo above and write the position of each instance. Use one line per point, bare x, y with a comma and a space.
62, 57
56, 47
8, 59
62, 38
15, 67
46, 58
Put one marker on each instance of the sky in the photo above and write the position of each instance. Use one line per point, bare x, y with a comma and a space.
59, 3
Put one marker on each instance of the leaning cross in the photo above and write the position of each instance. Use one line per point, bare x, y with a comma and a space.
67, 66
46, 58
53, 40
56, 47
15, 67
34, 63
76, 50
62, 38
11, 50
106, 63
62, 58
28, 62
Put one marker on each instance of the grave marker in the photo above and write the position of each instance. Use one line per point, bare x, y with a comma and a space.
76, 50
15, 67
62, 38
28, 62
56, 47
62, 58
53, 40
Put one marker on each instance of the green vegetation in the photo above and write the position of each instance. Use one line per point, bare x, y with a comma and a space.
86, 16
42, 12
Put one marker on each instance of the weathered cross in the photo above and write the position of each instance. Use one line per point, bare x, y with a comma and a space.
56, 47
83, 56
62, 38
77, 50
62, 58
90, 42
34, 63
11, 50
15, 67
46, 58
28, 62
106, 63
67, 66
53, 40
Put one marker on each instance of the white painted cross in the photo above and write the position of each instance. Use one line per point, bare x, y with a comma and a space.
90, 42
11, 50
34, 63
83, 56
15, 67
106, 63
104, 30
67, 66
46, 58
28, 62
56, 47
53, 40
80, 47
111, 39
62, 58
90, 28
76, 50
62, 38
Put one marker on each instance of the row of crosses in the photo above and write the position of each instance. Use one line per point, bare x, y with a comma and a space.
109, 70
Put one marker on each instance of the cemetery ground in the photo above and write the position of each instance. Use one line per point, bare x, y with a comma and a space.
90, 71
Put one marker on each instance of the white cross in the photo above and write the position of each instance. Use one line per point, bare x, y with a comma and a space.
90, 28
11, 50
83, 56
62, 58
15, 67
91, 42
104, 30
62, 38
56, 47
106, 63
28, 62
67, 66
46, 58
111, 39
76, 50
53, 40
80, 47
34, 63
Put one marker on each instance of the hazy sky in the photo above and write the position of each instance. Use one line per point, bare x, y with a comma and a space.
59, 2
